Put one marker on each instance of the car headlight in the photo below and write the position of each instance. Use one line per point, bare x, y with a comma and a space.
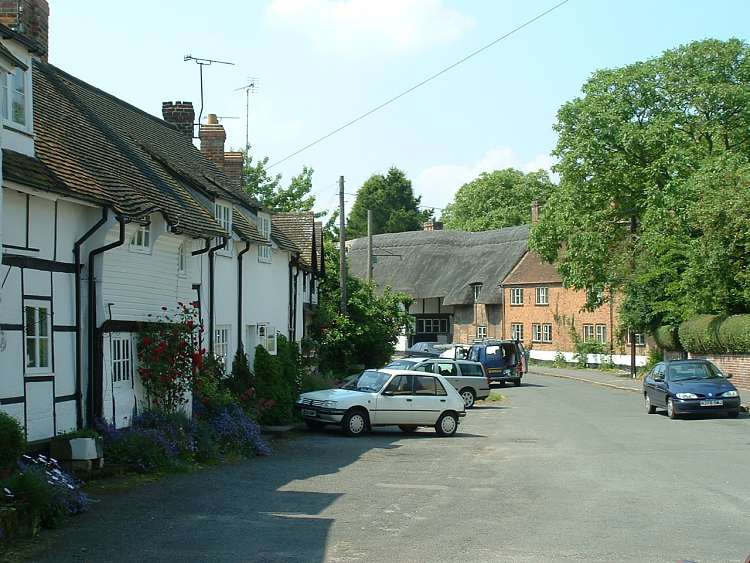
686, 396
731, 393
329, 403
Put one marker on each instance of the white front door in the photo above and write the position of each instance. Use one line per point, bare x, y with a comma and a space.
121, 356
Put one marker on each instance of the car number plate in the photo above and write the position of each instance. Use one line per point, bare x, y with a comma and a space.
712, 403
309, 412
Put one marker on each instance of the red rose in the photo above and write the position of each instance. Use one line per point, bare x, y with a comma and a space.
190, 325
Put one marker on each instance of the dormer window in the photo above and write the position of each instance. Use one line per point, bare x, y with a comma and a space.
13, 96
141, 239
477, 289
223, 214
265, 253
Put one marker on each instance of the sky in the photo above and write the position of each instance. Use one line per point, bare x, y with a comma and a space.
320, 63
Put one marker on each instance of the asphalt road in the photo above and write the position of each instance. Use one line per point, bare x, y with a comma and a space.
559, 471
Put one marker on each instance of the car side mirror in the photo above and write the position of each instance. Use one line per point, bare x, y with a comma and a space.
387, 393
658, 378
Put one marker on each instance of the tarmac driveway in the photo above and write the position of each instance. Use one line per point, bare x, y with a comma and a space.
561, 470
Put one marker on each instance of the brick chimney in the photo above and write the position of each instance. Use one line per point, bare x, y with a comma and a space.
181, 115
29, 18
535, 210
432, 225
212, 136
234, 162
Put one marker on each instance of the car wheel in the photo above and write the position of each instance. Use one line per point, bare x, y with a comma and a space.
733, 414
671, 413
502, 383
408, 428
314, 424
355, 423
468, 396
517, 382
650, 409
447, 424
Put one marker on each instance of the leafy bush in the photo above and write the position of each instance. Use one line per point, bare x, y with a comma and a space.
701, 334
147, 450
43, 492
667, 338
207, 448
236, 432
734, 334
12, 442
174, 428
275, 391
211, 389
583, 349
312, 382
655, 355
559, 361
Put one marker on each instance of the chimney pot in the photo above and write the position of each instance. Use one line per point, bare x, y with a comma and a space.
181, 115
212, 119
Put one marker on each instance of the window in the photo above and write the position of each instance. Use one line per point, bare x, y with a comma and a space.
265, 252
122, 359
13, 94
516, 330
182, 259
477, 289
601, 333
141, 239
588, 333
536, 332
400, 385
432, 326
542, 296
425, 385
426, 367
547, 332
481, 332
223, 214
37, 330
266, 337
447, 369
640, 339
471, 370
516, 296
221, 344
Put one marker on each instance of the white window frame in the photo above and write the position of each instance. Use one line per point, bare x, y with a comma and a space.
516, 296
9, 92
477, 290
222, 334
516, 330
640, 339
37, 368
265, 252
536, 332
547, 332
122, 358
223, 215
542, 295
601, 333
140, 241
589, 333
183, 259
481, 332
267, 336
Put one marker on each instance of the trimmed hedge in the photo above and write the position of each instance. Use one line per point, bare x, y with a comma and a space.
734, 334
701, 334
666, 338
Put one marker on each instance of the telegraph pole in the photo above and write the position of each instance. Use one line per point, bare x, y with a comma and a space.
633, 228
342, 246
369, 245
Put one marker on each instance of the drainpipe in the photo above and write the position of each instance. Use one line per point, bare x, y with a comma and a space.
95, 390
200, 308
296, 301
211, 253
79, 343
289, 320
239, 296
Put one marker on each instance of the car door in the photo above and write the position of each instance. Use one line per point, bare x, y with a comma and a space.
430, 399
450, 371
395, 405
657, 386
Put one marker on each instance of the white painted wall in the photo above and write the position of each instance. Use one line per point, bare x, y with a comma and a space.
570, 357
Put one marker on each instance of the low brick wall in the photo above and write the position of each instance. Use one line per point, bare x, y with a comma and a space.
736, 364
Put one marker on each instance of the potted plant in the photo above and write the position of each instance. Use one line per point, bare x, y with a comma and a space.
80, 449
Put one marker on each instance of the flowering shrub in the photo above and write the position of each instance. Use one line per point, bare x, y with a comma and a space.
42, 492
235, 431
168, 355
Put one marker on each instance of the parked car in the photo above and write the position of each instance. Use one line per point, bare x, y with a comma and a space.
425, 349
386, 397
689, 387
503, 360
468, 378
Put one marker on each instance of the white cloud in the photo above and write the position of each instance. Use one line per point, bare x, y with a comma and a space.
358, 28
438, 184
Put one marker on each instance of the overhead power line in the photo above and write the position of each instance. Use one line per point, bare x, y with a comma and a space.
422, 83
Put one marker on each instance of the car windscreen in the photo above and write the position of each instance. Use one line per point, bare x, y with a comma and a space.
401, 364
369, 381
697, 370
470, 369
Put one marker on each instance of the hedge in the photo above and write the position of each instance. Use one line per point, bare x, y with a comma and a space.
734, 334
701, 334
666, 338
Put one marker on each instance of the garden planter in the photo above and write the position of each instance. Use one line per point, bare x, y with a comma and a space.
78, 453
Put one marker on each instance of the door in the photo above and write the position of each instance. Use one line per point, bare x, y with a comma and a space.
430, 399
655, 386
121, 378
449, 370
397, 406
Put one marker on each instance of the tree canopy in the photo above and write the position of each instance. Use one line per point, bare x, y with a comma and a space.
497, 199
269, 192
394, 207
654, 185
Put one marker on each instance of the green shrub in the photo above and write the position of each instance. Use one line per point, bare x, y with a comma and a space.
12, 442
701, 334
667, 338
583, 349
275, 393
145, 449
312, 382
559, 361
655, 355
207, 448
211, 388
734, 334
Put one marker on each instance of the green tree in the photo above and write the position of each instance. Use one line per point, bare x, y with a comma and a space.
497, 199
644, 155
367, 335
267, 188
394, 207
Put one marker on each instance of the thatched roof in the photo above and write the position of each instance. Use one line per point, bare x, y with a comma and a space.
427, 264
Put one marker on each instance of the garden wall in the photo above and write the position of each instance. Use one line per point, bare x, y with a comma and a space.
736, 364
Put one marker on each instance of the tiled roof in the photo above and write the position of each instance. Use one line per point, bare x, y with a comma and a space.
321, 268
106, 150
300, 229
246, 229
28, 171
532, 270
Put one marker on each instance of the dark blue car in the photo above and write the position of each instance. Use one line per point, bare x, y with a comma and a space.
690, 387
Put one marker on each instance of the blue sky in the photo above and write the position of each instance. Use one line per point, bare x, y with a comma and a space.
323, 62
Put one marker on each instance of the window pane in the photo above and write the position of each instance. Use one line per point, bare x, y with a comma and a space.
31, 321
424, 385
43, 322
447, 369
31, 353
18, 97
43, 352
4, 94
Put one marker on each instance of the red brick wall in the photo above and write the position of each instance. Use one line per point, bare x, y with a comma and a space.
34, 19
466, 319
212, 136
736, 364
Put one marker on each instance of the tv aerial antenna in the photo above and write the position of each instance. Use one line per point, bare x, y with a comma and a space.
201, 63
250, 88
